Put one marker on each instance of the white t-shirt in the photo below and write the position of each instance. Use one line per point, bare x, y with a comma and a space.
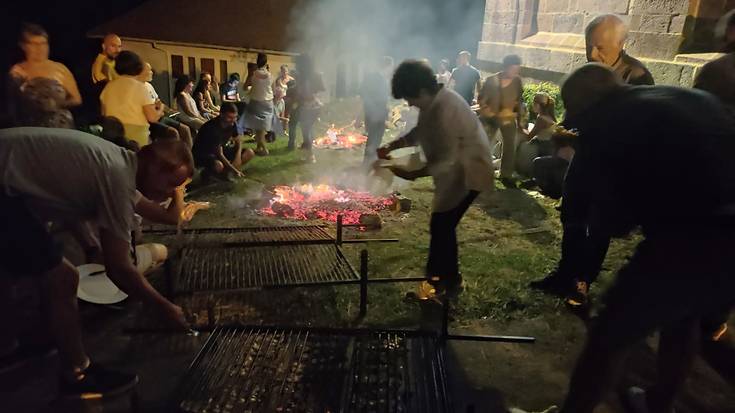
151, 90
456, 147
124, 98
262, 85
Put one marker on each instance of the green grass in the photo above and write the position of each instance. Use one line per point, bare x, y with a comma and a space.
507, 238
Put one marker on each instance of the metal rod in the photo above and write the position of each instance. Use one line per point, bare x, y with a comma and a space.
396, 280
364, 240
339, 229
445, 319
363, 282
491, 338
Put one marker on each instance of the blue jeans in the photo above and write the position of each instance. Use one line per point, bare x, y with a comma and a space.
375, 131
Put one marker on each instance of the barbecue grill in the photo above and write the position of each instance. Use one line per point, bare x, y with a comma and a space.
270, 369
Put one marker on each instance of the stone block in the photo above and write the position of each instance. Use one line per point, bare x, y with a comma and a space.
503, 18
557, 6
653, 23
560, 61
498, 33
568, 23
545, 22
670, 7
677, 24
536, 58
665, 73
500, 5
598, 7
654, 45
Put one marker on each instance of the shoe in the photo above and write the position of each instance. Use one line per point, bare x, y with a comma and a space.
528, 184
579, 297
97, 382
721, 330
553, 283
262, 152
509, 183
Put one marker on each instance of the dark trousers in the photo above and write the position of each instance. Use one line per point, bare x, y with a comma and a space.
293, 124
584, 246
443, 255
375, 130
548, 172
307, 119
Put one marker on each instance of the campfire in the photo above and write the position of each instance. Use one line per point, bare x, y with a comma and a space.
338, 138
325, 202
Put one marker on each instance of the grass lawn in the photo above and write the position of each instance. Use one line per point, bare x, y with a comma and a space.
507, 238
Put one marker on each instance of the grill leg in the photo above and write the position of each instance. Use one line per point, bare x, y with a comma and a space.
339, 229
168, 269
363, 282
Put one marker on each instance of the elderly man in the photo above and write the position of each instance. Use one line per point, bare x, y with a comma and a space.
103, 68
458, 159
584, 244
70, 176
681, 255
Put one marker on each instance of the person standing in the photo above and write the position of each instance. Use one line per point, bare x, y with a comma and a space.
443, 75
457, 158
280, 89
501, 110
465, 78
103, 68
41, 90
309, 85
375, 93
584, 243
259, 114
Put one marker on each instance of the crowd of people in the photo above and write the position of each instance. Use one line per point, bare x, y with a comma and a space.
148, 153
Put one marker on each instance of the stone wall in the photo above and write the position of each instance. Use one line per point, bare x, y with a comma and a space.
549, 34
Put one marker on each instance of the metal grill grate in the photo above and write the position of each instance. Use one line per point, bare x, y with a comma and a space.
238, 268
253, 236
284, 370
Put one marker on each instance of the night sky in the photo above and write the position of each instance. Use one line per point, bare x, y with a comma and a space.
68, 21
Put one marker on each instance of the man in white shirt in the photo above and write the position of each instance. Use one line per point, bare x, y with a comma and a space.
67, 175
457, 157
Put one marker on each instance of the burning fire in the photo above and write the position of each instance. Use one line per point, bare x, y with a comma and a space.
336, 138
325, 202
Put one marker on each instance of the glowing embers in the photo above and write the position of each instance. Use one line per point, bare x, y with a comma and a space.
325, 202
337, 138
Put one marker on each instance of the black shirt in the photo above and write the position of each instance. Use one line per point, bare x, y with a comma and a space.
632, 71
211, 137
465, 81
659, 157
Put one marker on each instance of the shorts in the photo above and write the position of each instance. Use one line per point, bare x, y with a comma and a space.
669, 280
207, 161
26, 247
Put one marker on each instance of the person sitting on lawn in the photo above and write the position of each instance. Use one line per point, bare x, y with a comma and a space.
678, 273
218, 148
457, 157
202, 97
188, 112
94, 180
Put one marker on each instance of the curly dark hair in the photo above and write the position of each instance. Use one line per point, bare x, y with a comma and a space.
410, 77
128, 63
512, 60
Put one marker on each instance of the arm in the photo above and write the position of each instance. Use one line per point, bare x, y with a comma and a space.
97, 74
226, 162
542, 122
121, 271
153, 211
73, 97
153, 112
409, 139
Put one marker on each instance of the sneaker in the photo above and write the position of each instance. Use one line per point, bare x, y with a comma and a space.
579, 297
553, 283
529, 184
97, 382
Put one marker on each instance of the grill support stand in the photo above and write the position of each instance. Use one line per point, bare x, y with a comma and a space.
363, 282
446, 304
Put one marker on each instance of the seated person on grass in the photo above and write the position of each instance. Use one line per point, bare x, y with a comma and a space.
218, 148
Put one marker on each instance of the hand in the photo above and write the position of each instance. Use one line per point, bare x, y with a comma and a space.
239, 173
384, 153
174, 315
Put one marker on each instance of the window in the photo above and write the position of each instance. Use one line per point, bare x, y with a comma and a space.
177, 66
223, 74
208, 66
192, 68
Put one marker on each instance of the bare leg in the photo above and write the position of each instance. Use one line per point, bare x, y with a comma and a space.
237, 160
676, 351
260, 141
60, 293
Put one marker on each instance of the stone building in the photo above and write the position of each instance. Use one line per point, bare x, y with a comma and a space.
672, 37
